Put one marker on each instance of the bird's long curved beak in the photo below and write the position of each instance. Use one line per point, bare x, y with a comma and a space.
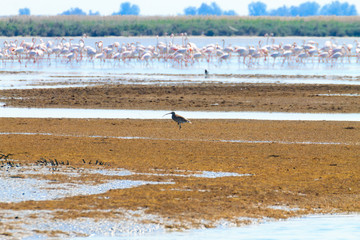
167, 114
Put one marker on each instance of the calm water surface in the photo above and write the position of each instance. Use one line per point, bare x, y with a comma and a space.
159, 114
60, 73
329, 227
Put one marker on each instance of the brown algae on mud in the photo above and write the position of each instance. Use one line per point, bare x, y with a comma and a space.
311, 178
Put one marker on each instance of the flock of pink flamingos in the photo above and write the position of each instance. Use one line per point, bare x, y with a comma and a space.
187, 53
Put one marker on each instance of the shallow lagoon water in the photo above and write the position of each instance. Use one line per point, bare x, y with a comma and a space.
330, 227
86, 75
311, 227
159, 114
31, 75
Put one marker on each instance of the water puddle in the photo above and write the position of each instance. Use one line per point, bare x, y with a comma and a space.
288, 142
209, 174
340, 94
284, 208
158, 114
22, 183
203, 174
41, 190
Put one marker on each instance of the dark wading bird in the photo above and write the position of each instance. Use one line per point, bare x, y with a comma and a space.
206, 73
179, 119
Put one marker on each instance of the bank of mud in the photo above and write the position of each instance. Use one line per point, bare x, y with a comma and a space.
211, 97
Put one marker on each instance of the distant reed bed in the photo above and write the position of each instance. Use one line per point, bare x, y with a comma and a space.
96, 26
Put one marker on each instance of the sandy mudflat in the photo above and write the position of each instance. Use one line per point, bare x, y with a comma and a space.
285, 168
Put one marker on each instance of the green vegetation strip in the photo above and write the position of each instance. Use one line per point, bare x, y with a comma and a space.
97, 26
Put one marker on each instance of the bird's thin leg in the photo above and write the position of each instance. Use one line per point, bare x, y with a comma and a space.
179, 125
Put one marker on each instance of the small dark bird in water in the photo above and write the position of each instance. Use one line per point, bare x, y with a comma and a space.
179, 119
206, 73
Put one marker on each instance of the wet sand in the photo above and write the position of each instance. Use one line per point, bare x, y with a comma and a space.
309, 166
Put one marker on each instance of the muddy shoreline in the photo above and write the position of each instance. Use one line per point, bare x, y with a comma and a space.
210, 97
